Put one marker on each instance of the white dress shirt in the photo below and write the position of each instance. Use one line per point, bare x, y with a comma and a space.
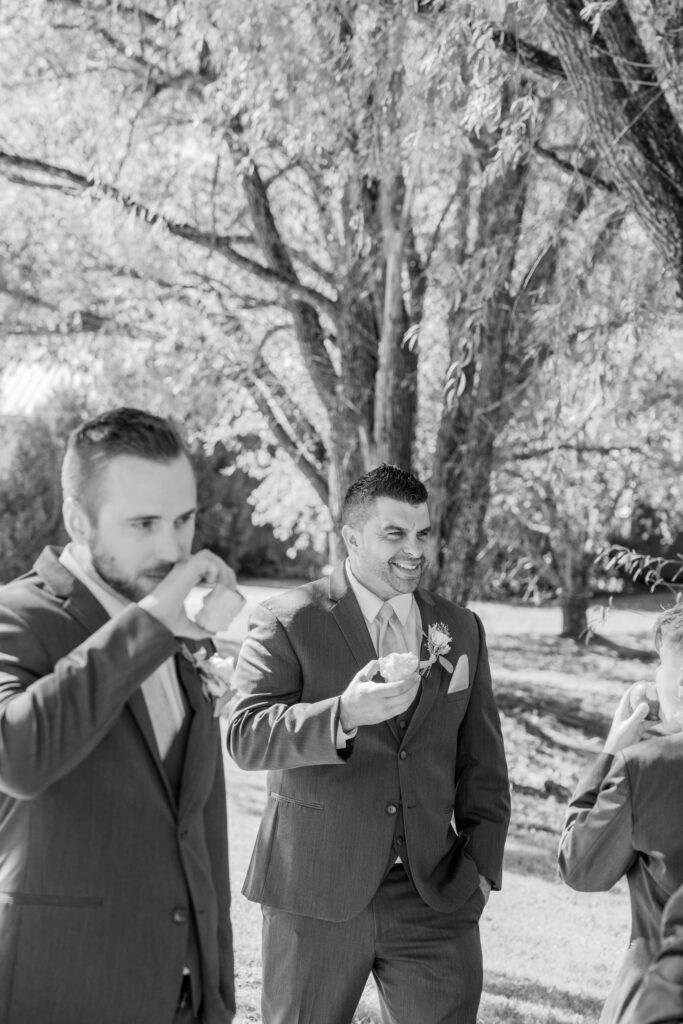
404, 605
408, 613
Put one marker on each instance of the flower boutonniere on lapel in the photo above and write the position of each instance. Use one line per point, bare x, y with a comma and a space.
215, 674
439, 642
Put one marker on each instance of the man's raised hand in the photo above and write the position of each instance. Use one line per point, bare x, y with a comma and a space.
365, 702
167, 601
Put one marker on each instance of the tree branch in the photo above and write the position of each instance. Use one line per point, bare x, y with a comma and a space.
77, 185
593, 449
531, 57
574, 169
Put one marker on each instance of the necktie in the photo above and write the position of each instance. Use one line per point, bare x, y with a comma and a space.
391, 638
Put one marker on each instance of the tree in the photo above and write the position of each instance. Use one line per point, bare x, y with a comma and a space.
590, 447
285, 197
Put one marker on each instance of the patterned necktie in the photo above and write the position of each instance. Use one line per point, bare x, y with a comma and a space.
391, 638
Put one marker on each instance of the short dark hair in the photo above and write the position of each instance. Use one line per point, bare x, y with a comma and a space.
122, 431
669, 627
385, 481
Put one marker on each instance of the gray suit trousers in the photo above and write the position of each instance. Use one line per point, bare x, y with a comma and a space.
427, 964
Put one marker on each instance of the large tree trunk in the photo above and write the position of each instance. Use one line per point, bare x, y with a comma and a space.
482, 337
640, 141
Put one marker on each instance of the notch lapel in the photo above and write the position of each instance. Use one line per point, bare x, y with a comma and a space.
350, 619
198, 766
429, 687
137, 705
85, 609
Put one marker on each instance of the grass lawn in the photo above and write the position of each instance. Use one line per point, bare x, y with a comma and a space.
549, 953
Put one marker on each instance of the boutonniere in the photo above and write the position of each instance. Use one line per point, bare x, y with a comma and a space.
215, 674
439, 642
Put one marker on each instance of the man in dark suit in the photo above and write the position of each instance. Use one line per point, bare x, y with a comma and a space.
114, 889
624, 818
388, 801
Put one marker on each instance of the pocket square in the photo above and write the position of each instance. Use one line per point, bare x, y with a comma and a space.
460, 679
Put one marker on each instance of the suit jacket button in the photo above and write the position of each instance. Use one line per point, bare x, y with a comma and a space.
403, 755
179, 915
391, 808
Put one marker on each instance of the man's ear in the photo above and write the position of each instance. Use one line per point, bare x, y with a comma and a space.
76, 521
350, 537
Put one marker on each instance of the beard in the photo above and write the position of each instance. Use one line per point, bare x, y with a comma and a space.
134, 588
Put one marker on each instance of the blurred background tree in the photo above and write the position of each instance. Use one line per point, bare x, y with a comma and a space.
361, 231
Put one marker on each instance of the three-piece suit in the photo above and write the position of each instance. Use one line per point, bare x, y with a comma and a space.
113, 876
428, 789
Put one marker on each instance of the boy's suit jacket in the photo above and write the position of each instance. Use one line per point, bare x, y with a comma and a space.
659, 999
102, 872
325, 840
626, 818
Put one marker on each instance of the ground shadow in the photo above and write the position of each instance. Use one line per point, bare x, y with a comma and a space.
545, 997
532, 853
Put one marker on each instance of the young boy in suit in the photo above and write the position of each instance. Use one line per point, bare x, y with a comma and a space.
624, 817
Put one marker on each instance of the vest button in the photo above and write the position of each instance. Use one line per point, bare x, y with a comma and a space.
391, 808
179, 915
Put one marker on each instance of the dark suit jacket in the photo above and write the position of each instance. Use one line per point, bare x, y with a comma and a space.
326, 835
626, 818
659, 999
102, 872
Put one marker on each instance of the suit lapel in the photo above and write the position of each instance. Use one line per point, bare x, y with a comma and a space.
82, 606
350, 619
430, 684
137, 705
200, 741
78, 600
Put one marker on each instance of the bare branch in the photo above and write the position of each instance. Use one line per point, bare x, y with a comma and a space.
574, 169
530, 57
77, 185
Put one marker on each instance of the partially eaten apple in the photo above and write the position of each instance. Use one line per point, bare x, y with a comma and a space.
398, 666
219, 608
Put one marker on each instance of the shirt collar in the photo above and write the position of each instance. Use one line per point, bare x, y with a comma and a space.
370, 603
75, 559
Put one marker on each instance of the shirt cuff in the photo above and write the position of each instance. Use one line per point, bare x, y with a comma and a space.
342, 737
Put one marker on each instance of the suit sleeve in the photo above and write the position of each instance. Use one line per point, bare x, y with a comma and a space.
596, 846
53, 716
482, 791
270, 726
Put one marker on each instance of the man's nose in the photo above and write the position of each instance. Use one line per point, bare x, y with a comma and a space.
414, 547
168, 548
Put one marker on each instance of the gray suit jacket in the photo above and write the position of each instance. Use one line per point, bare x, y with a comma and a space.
626, 818
102, 871
659, 999
326, 835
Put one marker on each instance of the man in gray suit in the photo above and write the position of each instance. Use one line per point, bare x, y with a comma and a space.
114, 888
388, 801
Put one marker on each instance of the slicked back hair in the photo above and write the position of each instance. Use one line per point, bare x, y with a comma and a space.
121, 431
669, 627
385, 481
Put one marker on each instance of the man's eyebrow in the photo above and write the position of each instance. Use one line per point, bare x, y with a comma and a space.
389, 525
153, 516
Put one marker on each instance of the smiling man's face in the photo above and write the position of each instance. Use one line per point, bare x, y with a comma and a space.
388, 552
